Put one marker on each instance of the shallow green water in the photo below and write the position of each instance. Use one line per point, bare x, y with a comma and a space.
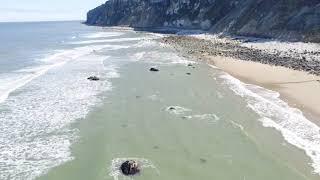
56, 123
133, 122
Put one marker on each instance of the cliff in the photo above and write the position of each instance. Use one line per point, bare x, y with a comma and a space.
296, 20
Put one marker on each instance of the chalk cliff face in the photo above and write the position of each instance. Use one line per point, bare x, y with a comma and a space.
284, 19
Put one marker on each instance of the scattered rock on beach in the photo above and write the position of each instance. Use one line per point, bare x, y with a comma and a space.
302, 61
93, 78
154, 69
130, 168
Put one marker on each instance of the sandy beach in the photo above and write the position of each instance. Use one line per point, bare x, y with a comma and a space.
299, 89
266, 67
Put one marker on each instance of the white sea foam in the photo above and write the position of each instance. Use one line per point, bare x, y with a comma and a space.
111, 71
157, 35
35, 132
220, 94
178, 110
291, 122
11, 81
155, 97
146, 43
102, 35
237, 125
214, 67
15, 80
161, 58
139, 56
107, 40
67, 55
213, 118
115, 172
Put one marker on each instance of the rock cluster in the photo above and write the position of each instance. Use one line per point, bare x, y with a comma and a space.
231, 48
129, 168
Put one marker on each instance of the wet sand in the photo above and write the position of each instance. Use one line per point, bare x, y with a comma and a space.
299, 89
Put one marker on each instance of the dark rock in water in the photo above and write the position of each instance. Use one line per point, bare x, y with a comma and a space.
155, 147
154, 69
130, 168
190, 65
93, 78
172, 108
188, 73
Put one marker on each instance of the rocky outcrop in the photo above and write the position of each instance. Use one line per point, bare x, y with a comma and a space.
284, 19
129, 168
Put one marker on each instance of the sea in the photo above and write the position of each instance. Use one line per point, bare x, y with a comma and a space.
188, 121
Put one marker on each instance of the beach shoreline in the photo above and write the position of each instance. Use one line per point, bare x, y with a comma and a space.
297, 88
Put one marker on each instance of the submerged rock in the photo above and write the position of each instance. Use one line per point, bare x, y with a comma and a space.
130, 168
188, 73
202, 160
93, 78
154, 69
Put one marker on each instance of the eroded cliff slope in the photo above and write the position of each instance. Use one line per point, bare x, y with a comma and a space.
284, 19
